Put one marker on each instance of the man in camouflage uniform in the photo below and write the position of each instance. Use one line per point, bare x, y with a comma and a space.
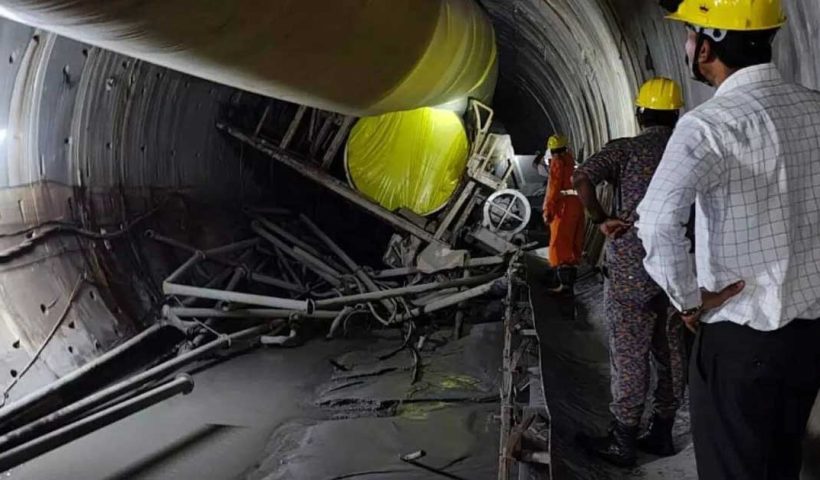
636, 307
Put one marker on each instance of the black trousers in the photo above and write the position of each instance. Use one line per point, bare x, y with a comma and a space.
751, 394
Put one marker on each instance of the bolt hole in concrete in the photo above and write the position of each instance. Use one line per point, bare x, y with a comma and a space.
13, 373
16, 344
70, 349
92, 295
11, 58
43, 308
85, 52
71, 325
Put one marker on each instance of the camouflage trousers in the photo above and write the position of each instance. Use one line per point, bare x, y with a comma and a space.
643, 334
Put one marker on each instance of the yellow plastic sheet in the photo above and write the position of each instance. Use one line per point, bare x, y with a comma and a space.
413, 159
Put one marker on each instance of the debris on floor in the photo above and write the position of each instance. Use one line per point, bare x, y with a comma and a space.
376, 416
291, 270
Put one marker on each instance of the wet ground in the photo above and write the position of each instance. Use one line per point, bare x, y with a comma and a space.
292, 414
576, 377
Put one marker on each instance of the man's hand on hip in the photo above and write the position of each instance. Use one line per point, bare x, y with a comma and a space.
711, 301
614, 228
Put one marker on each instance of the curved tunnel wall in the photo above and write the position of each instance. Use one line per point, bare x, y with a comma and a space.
93, 137
89, 135
575, 66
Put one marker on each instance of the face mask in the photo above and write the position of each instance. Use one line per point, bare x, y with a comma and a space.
692, 57
690, 53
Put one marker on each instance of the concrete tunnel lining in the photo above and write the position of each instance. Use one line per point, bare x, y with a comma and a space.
96, 136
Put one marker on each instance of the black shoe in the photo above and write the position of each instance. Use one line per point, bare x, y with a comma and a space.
658, 438
617, 448
568, 275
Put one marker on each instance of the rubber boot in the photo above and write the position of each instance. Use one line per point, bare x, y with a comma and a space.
617, 448
658, 437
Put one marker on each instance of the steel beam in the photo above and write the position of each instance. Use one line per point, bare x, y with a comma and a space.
328, 181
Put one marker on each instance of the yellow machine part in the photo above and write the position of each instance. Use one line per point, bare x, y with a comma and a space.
358, 57
413, 159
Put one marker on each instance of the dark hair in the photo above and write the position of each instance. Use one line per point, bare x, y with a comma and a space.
558, 151
657, 118
744, 49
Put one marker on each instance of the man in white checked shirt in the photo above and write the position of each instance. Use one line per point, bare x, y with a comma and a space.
750, 161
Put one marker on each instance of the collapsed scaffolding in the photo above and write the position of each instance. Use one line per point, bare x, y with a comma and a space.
440, 248
288, 279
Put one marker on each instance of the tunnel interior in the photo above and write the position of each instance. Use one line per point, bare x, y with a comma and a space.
96, 148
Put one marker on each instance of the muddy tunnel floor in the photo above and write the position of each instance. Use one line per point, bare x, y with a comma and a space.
575, 362
326, 410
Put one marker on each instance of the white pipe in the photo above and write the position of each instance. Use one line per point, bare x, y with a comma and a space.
169, 288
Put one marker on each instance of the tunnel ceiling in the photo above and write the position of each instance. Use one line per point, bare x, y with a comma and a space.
92, 137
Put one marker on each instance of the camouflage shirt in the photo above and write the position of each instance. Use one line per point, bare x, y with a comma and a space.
628, 164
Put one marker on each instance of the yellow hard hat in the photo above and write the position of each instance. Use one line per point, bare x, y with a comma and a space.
737, 15
557, 142
660, 93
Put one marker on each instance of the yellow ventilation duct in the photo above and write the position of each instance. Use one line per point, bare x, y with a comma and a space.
360, 57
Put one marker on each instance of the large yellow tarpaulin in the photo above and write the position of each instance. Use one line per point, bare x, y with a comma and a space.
413, 159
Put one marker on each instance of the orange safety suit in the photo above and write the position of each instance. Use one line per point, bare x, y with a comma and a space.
564, 214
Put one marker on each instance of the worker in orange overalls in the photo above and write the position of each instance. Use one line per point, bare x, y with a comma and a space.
564, 215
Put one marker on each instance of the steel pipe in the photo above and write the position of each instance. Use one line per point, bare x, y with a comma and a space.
449, 301
182, 269
345, 258
331, 183
433, 296
286, 249
400, 292
233, 247
256, 277
236, 277
217, 279
182, 384
275, 282
235, 297
183, 312
76, 410
407, 271
316, 262
287, 236
33, 401
169, 241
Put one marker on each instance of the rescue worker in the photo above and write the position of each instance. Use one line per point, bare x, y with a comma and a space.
750, 160
636, 307
563, 215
